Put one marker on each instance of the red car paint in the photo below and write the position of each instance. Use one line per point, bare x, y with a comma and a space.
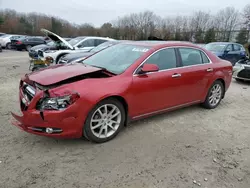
144, 95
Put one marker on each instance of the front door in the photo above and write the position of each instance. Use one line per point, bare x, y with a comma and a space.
152, 92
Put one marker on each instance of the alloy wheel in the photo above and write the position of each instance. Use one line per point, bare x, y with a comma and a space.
215, 95
105, 121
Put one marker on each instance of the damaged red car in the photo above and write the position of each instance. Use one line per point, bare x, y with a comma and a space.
97, 97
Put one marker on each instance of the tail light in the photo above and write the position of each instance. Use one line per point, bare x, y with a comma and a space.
18, 42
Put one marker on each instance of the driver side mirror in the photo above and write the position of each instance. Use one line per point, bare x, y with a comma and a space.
226, 51
148, 68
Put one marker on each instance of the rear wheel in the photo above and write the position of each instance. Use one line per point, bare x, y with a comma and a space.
214, 95
104, 121
8, 46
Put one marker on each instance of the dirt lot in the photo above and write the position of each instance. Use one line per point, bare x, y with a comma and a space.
192, 147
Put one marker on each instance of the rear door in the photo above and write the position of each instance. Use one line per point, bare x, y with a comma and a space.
196, 72
38, 41
240, 52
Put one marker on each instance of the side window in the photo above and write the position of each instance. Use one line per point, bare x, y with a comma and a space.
229, 48
87, 43
165, 59
237, 47
190, 56
38, 40
204, 58
99, 41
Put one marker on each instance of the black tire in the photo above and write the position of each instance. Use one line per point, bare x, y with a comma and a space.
87, 132
28, 47
34, 69
58, 58
239, 80
206, 104
8, 46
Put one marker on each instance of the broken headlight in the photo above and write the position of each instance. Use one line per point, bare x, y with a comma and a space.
57, 103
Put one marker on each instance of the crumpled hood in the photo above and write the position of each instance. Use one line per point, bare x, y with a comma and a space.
58, 73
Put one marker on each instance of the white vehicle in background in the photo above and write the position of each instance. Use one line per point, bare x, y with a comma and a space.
78, 44
5, 40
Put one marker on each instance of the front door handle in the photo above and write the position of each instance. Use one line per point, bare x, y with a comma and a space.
176, 75
210, 69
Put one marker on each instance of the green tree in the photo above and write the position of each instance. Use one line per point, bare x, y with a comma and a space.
210, 36
56, 26
1, 20
177, 35
198, 36
242, 36
25, 26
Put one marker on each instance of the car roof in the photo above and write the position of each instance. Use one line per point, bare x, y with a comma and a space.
156, 44
224, 43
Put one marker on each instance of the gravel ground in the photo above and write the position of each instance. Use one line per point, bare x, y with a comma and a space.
191, 147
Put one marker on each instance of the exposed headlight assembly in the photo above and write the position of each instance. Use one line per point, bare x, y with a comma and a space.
57, 103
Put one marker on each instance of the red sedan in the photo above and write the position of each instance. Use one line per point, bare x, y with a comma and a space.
125, 82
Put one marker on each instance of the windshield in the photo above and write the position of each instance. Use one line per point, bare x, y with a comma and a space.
74, 41
117, 58
102, 46
51, 43
215, 47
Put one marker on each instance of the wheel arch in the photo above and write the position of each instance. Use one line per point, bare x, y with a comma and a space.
224, 85
124, 103
60, 55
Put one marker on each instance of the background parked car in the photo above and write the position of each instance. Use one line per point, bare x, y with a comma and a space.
83, 55
78, 44
27, 42
241, 70
5, 40
1, 34
50, 45
232, 52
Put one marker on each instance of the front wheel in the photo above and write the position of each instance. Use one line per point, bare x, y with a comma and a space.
104, 121
214, 95
8, 46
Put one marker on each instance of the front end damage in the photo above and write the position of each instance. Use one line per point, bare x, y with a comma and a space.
47, 113
241, 70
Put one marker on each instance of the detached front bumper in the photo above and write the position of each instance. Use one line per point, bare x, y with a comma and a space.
61, 124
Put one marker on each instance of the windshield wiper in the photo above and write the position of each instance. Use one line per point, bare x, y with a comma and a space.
104, 69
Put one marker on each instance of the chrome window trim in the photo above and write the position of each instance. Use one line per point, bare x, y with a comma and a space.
210, 62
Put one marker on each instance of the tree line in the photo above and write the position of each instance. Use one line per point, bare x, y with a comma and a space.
199, 27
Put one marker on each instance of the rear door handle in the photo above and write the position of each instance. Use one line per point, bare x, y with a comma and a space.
176, 75
210, 70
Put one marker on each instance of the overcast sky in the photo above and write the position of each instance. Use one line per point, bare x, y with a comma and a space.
99, 11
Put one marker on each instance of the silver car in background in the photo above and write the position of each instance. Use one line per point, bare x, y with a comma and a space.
241, 70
